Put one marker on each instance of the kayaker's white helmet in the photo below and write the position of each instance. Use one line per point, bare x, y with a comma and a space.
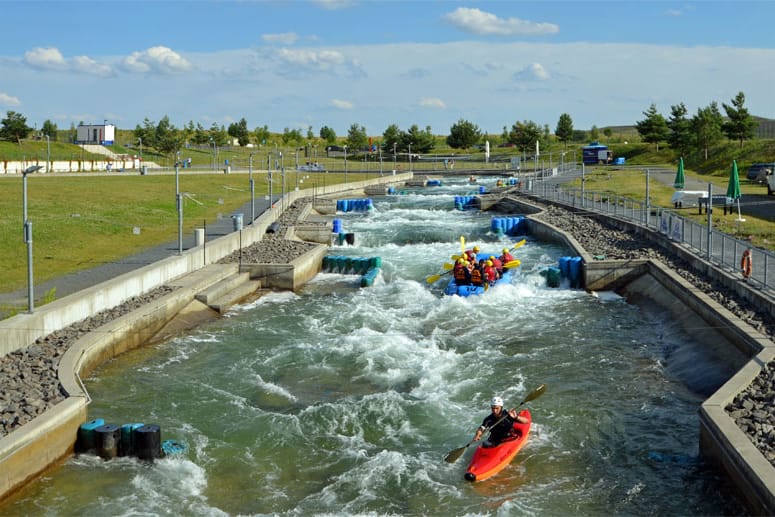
496, 401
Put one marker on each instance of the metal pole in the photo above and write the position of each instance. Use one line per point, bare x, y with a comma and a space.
269, 172
345, 164
394, 157
648, 197
28, 240
48, 154
179, 202
282, 176
252, 189
710, 214
410, 157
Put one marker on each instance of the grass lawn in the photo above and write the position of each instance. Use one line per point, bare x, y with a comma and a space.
81, 222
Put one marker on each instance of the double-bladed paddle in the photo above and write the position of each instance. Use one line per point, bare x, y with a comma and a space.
453, 455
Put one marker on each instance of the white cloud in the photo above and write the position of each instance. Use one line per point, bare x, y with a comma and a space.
9, 100
340, 104
45, 58
285, 38
432, 102
482, 23
87, 65
157, 59
321, 60
532, 72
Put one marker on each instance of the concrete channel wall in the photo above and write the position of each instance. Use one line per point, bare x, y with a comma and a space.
49, 438
721, 440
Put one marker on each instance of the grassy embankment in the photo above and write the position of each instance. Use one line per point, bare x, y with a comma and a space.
82, 222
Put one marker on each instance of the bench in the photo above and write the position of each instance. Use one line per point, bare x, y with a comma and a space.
726, 202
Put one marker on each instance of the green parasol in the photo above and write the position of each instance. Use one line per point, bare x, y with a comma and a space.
733, 189
679, 175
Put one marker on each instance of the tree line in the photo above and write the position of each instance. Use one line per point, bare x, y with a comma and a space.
698, 133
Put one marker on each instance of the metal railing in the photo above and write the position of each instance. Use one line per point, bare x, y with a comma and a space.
721, 249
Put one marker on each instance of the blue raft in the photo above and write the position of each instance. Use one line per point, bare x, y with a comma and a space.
469, 290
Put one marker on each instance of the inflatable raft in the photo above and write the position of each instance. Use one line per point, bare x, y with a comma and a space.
488, 461
468, 290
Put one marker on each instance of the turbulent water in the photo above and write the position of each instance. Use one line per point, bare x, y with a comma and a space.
341, 400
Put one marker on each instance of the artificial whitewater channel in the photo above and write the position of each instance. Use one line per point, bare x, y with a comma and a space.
341, 400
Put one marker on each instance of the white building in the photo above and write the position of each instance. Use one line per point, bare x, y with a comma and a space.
99, 134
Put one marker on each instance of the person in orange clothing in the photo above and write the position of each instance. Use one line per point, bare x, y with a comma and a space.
746, 264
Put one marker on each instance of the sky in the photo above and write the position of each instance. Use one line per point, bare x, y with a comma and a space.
307, 64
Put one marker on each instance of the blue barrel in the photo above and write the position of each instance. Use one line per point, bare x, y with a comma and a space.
375, 262
391, 190
172, 448
127, 439
482, 190
575, 272
553, 277
107, 439
565, 267
85, 440
369, 204
337, 225
148, 442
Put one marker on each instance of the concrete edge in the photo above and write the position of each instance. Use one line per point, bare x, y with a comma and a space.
32, 449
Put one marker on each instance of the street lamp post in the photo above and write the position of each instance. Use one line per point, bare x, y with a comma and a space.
269, 172
48, 154
282, 175
252, 189
410, 157
140, 140
28, 235
394, 157
179, 202
345, 164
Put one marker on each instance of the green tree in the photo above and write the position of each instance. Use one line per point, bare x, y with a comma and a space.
525, 135
680, 137
328, 135
420, 141
357, 140
292, 136
146, 133
463, 134
594, 133
14, 127
49, 129
168, 138
262, 134
217, 135
706, 127
564, 129
391, 138
740, 124
310, 133
239, 130
653, 129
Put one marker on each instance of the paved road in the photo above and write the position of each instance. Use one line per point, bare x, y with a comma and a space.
77, 281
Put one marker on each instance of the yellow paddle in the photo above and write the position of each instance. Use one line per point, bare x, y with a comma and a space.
453, 455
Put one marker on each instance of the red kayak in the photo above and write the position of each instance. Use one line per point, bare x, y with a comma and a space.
488, 461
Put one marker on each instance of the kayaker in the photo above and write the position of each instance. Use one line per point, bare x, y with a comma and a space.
504, 430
